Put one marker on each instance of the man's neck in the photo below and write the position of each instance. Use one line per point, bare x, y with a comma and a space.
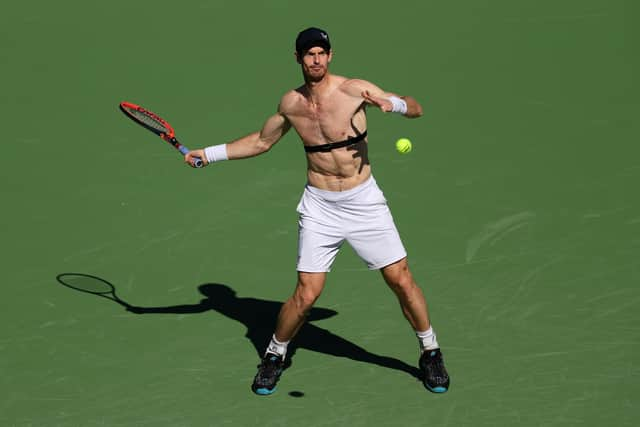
317, 87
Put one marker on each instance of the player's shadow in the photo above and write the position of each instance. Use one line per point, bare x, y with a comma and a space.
259, 318
360, 149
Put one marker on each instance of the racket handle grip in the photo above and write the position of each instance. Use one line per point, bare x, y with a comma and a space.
197, 161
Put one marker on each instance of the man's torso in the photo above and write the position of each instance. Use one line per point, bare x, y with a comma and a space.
331, 115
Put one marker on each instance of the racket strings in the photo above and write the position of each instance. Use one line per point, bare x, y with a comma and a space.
88, 284
148, 120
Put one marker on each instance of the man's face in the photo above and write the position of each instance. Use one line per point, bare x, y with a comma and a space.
315, 63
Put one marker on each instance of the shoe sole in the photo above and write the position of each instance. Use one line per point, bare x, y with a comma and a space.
436, 389
264, 391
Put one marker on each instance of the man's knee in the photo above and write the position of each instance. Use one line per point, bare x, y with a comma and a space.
308, 291
398, 277
304, 299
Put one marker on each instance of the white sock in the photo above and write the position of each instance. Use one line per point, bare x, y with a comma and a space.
277, 347
427, 340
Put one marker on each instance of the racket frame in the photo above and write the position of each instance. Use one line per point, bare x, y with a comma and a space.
168, 136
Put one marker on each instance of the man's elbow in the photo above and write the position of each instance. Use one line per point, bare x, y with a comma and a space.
262, 147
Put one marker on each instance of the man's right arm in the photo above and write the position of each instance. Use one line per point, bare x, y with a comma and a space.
251, 145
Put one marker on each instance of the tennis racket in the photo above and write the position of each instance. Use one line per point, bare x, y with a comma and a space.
91, 285
157, 125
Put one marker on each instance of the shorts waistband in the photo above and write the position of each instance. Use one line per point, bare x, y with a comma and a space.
337, 196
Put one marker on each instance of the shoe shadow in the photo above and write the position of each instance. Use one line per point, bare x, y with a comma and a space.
259, 317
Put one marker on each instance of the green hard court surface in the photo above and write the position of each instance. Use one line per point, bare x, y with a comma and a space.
519, 207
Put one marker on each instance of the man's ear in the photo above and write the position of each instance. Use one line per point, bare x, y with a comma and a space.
297, 57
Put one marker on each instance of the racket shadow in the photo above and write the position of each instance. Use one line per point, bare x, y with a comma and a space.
90, 284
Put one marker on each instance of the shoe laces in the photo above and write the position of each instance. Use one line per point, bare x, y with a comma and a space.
271, 365
435, 364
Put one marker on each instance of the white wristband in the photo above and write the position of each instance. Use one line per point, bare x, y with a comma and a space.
216, 153
399, 105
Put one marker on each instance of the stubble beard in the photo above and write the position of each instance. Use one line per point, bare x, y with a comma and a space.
315, 77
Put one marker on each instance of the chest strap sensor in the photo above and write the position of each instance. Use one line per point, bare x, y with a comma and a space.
325, 148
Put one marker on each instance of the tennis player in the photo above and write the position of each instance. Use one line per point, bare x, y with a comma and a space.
341, 201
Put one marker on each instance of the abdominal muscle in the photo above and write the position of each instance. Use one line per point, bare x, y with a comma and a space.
340, 169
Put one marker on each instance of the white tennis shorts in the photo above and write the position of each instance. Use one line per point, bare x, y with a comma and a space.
360, 216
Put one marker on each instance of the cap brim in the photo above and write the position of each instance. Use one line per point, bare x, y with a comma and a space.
316, 43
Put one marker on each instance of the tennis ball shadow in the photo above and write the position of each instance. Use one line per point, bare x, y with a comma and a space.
296, 393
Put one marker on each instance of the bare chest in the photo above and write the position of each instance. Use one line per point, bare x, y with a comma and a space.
327, 119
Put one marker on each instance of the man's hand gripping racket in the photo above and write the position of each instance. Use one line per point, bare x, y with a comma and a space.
160, 127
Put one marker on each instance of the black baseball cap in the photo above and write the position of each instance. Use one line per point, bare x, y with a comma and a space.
312, 37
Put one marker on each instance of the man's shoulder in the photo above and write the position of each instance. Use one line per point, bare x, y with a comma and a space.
354, 86
289, 100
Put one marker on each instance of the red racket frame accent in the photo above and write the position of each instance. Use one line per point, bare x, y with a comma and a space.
123, 105
168, 136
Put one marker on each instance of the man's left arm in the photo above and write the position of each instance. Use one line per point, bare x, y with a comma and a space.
388, 102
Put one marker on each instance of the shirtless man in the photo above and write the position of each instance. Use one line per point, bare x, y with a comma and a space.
340, 202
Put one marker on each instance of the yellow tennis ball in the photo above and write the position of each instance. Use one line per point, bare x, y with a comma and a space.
403, 145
